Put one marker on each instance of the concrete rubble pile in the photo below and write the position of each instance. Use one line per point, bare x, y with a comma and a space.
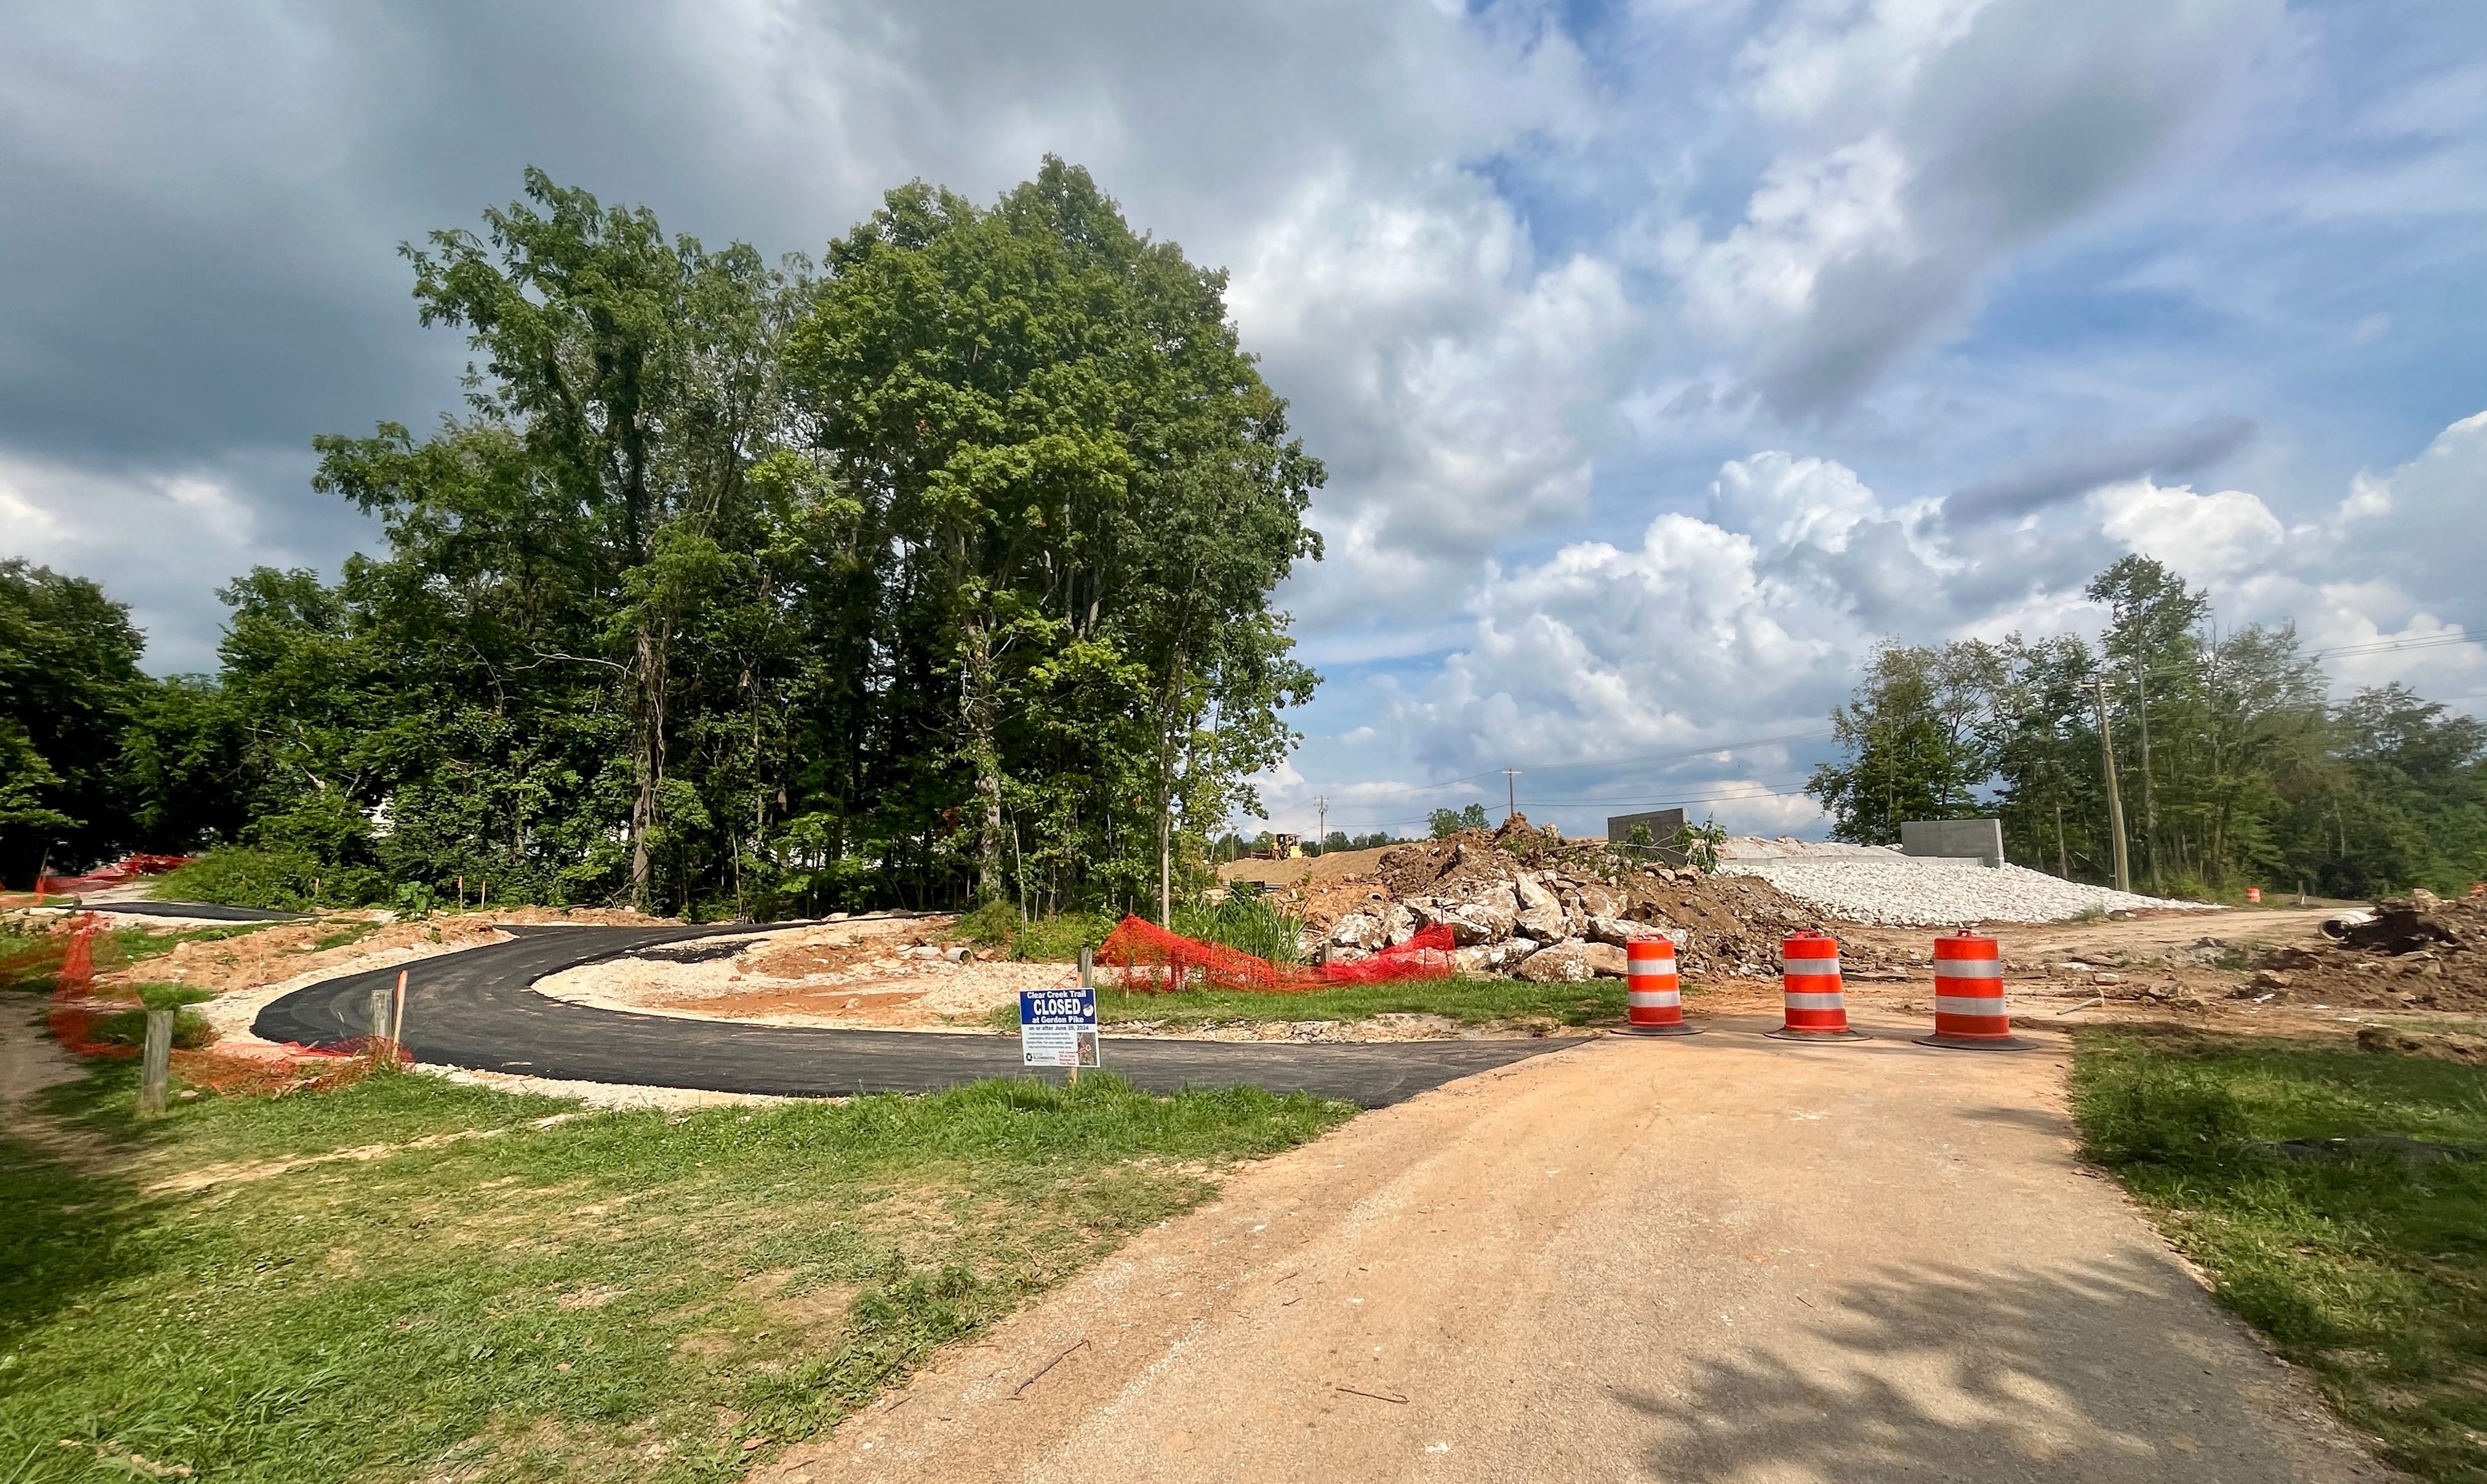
1520, 902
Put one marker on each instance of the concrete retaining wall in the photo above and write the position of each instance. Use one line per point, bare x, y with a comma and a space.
1981, 840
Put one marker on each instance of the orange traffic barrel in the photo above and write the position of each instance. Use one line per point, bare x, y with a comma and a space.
1969, 1012
1653, 993
2253, 893
1816, 997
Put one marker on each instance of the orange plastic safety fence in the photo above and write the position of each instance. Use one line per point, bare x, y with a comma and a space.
1156, 961
121, 872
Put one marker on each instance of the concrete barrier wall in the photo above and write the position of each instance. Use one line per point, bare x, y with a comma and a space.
1662, 824
1981, 840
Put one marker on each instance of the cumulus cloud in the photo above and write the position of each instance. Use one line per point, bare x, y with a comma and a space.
1617, 666
1921, 144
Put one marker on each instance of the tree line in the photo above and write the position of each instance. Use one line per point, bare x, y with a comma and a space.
936, 571
2232, 767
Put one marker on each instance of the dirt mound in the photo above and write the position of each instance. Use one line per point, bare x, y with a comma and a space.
1514, 893
2414, 951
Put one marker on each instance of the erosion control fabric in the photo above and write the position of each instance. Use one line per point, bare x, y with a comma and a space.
1157, 961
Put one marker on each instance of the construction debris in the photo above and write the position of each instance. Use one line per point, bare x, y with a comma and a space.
1520, 902
2418, 951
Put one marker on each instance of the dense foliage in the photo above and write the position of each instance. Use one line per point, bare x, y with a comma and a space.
2234, 768
939, 571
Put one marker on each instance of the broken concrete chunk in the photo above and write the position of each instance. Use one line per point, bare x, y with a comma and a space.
1559, 963
1479, 924
1359, 930
1605, 959
1544, 923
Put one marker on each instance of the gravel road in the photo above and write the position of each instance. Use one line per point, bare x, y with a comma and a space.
1722, 1259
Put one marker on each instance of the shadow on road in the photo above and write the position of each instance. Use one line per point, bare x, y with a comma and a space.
2113, 1373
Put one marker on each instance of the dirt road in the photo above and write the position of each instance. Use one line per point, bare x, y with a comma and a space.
1720, 1259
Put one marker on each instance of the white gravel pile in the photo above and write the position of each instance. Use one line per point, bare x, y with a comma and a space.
1906, 892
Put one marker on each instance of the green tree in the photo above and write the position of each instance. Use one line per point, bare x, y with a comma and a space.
1916, 737
1092, 494
68, 683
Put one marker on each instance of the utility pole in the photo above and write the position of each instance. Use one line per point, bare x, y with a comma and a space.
2114, 791
1510, 793
1321, 812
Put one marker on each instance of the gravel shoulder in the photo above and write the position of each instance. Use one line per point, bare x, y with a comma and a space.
1716, 1259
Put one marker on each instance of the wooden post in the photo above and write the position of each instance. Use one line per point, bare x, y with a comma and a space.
155, 1064
379, 1019
397, 1012
1087, 968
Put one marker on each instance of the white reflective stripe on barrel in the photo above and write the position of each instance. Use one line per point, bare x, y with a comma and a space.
1831, 1001
1969, 968
1954, 1004
1653, 998
1803, 966
1657, 971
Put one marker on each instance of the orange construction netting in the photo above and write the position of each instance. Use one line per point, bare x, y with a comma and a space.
1157, 961
121, 872
77, 1008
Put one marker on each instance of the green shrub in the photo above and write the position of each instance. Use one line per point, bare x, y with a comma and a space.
282, 879
992, 925
1248, 920
1058, 939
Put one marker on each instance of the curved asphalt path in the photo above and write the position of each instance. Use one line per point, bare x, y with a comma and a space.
203, 912
474, 1009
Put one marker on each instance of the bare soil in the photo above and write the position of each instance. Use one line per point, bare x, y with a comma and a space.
1719, 1259
911, 973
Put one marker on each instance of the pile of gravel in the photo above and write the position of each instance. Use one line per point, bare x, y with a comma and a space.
1906, 892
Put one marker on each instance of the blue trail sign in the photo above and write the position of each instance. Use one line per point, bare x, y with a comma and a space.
1058, 1028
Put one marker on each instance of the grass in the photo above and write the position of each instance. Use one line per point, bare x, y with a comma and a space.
624, 1296
1469, 1002
2370, 1270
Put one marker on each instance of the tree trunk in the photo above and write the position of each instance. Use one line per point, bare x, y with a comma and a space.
2149, 793
976, 709
649, 746
1167, 719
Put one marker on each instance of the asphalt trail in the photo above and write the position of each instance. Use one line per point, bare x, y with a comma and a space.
204, 911
474, 1009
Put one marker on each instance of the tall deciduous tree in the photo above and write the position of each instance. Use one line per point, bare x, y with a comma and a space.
1090, 491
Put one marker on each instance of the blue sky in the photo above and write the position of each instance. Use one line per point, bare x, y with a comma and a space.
1665, 355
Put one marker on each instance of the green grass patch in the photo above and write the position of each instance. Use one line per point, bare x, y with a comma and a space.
1469, 1002
626, 1295
2368, 1267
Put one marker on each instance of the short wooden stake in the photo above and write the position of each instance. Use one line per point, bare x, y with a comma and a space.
397, 1012
155, 1064
1087, 968
379, 1019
